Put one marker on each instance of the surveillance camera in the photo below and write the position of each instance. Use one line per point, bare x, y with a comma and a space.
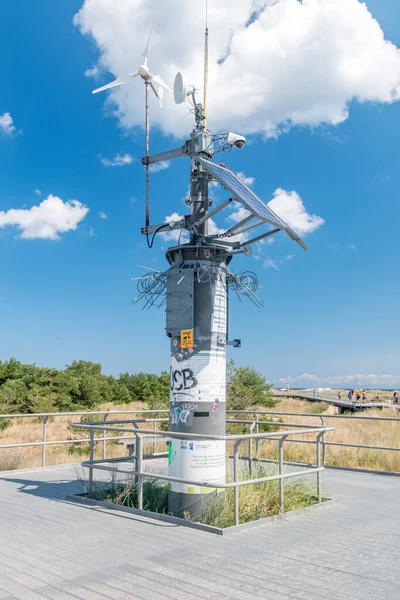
234, 139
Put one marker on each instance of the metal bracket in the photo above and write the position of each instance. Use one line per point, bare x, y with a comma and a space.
167, 155
150, 229
235, 343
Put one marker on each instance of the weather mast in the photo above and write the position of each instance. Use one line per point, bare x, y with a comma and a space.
196, 286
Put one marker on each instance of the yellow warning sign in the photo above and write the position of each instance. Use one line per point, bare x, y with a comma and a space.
187, 338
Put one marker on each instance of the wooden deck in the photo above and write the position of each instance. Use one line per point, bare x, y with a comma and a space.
51, 548
343, 404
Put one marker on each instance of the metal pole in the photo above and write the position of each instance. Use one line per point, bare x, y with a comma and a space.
318, 447
91, 451
139, 461
205, 71
323, 443
44, 441
236, 479
251, 428
147, 133
257, 440
155, 429
105, 438
281, 481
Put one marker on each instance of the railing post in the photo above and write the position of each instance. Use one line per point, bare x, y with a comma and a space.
323, 442
105, 437
281, 481
318, 446
257, 440
236, 480
251, 429
44, 441
91, 454
155, 429
139, 461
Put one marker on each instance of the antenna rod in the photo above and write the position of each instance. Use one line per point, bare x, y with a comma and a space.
205, 70
147, 128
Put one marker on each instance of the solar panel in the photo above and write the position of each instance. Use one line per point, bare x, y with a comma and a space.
241, 193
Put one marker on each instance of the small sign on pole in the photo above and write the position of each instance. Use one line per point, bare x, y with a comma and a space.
187, 338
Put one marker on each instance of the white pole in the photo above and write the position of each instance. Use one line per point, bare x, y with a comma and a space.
147, 131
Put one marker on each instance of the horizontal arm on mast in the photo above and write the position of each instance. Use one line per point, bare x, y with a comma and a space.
152, 229
167, 155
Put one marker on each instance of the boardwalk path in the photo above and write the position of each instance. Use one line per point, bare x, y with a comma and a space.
50, 548
343, 403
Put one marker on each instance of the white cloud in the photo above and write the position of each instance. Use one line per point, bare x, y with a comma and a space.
270, 263
295, 63
238, 215
7, 126
47, 220
175, 235
161, 166
343, 246
346, 381
289, 206
244, 179
119, 160
37, 192
93, 72
103, 215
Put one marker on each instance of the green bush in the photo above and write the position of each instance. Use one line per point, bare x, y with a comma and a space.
26, 388
4, 423
247, 389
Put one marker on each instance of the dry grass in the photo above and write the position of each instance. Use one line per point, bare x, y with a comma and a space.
30, 430
349, 431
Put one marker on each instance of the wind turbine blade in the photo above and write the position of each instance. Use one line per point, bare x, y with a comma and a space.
148, 45
116, 82
159, 94
159, 81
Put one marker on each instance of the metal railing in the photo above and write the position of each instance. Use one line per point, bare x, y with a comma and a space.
323, 418
44, 442
254, 424
140, 474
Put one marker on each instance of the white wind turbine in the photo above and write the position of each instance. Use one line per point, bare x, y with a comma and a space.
149, 80
144, 73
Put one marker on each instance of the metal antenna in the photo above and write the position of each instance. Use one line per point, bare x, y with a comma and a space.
147, 133
205, 70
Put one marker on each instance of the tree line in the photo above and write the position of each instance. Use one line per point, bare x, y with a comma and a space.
27, 388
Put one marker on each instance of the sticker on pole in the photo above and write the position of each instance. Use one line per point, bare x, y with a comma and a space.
187, 338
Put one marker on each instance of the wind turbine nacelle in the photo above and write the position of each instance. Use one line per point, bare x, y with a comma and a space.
144, 71
234, 139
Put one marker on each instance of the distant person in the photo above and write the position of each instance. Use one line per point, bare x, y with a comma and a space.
350, 396
358, 396
314, 392
396, 397
339, 395
364, 395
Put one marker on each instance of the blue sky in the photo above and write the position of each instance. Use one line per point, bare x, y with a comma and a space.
330, 312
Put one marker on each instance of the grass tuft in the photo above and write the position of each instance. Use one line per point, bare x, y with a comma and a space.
256, 501
11, 460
